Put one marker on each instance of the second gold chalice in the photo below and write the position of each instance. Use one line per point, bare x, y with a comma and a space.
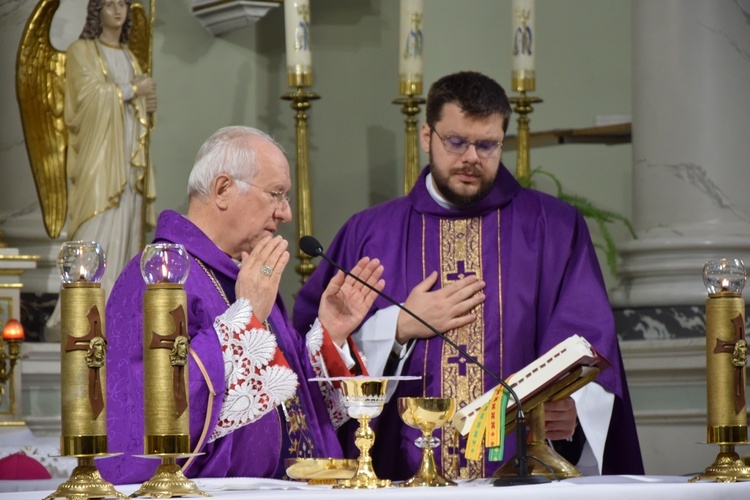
427, 414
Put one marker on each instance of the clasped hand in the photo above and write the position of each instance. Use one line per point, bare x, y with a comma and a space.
255, 285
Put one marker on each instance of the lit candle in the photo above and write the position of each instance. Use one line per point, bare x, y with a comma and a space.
13, 331
524, 45
297, 30
410, 47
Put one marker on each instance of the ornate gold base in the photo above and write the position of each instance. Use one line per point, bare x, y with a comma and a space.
365, 476
85, 482
553, 465
428, 473
168, 481
727, 468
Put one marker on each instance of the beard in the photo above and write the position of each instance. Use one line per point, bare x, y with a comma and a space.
442, 181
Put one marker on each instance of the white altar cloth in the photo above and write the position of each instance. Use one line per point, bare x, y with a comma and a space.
583, 488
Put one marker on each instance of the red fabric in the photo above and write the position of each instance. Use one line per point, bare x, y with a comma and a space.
20, 466
332, 359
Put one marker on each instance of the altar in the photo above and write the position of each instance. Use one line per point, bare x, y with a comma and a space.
583, 488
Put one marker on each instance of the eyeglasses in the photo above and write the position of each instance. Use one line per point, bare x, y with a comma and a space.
458, 145
279, 197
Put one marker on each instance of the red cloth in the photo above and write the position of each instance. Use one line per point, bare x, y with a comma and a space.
20, 466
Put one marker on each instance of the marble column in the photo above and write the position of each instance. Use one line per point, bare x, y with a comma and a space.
691, 148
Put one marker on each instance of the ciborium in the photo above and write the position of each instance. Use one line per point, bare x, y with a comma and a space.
427, 414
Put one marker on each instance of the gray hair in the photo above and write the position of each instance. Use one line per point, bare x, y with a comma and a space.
228, 152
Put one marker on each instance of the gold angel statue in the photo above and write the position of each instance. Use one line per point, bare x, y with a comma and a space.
85, 115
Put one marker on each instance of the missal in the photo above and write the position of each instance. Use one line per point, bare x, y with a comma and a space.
562, 370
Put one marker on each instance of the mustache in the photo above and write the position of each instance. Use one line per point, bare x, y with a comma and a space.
468, 170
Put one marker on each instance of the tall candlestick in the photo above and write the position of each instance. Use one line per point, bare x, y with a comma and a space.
297, 31
524, 46
410, 47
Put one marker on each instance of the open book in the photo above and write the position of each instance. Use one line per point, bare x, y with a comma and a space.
556, 374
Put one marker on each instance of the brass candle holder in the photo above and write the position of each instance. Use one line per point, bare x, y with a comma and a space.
165, 267
12, 338
410, 107
364, 398
523, 106
726, 359
300, 103
427, 414
83, 370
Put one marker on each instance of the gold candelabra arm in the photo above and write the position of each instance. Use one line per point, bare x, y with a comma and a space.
14, 354
300, 103
12, 336
523, 108
410, 107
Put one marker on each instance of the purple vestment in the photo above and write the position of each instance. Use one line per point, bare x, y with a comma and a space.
255, 450
550, 287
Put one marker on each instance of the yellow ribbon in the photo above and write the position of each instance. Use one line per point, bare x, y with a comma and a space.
489, 425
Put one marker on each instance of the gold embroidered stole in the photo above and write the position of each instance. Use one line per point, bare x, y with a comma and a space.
460, 250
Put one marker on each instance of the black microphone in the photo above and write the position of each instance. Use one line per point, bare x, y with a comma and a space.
312, 247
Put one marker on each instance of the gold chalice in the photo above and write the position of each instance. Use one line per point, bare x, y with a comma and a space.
427, 414
364, 398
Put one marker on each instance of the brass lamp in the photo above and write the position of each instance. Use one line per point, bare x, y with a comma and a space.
726, 358
12, 338
165, 268
83, 369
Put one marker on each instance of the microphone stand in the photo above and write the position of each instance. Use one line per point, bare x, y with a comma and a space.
313, 248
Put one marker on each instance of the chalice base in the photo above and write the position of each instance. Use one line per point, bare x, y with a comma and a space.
727, 468
168, 481
85, 482
428, 473
550, 464
363, 480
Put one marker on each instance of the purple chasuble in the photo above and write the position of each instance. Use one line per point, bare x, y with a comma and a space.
255, 450
543, 284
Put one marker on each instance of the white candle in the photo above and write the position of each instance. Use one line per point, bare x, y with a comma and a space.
297, 30
524, 45
410, 46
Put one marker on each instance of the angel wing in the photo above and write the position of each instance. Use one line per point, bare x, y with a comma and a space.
140, 36
40, 88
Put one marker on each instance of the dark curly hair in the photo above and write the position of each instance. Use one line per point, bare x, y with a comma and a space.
93, 27
476, 94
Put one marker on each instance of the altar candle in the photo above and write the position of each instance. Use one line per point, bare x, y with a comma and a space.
410, 47
297, 30
524, 45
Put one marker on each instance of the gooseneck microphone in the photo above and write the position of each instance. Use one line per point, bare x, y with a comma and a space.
312, 247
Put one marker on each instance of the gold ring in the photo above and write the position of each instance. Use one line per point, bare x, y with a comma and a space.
266, 270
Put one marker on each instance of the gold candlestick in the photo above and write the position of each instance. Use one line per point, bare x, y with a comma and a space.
300, 103
83, 370
165, 267
410, 107
523, 108
12, 337
726, 358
